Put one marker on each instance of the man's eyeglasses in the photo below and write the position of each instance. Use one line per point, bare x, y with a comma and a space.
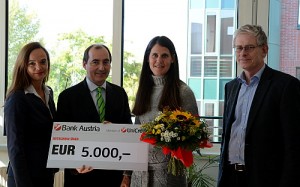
246, 48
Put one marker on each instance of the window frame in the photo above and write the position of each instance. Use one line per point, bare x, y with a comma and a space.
298, 25
3, 59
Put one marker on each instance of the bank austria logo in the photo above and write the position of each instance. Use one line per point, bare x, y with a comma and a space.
57, 127
123, 130
76, 127
131, 130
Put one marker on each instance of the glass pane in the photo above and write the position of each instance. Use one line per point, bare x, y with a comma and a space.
227, 30
209, 109
199, 106
195, 4
196, 38
211, 33
65, 28
163, 19
210, 89
228, 4
225, 66
222, 83
195, 85
210, 66
65, 33
213, 3
221, 108
196, 18
196, 66
219, 126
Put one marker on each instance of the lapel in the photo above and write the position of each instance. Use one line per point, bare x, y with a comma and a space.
109, 100
232, 96
52, 105
259, 97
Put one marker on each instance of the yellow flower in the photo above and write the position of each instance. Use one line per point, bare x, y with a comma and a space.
177, 114
197, 123
157, 126
193, 131
158, 131
183, 138
162, 115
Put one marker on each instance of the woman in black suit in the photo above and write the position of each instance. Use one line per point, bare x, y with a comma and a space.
29, 110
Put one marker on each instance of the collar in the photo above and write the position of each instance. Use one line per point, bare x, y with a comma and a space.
31, 89
257, 76
92, 86
159, 80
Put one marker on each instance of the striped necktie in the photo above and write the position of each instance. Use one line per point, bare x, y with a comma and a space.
100, 104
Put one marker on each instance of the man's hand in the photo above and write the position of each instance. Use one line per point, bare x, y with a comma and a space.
84, 169
125, 181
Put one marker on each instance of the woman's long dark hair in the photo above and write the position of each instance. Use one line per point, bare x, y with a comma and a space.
21, 78
170, 94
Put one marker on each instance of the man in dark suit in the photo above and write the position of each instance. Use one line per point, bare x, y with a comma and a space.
79, 104
261, 125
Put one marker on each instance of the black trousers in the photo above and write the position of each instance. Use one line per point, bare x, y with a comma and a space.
234, 178
44, 181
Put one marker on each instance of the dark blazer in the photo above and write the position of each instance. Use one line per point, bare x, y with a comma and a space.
272, 143
28, 126
75, 104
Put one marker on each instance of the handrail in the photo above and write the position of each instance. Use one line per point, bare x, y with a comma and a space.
212, 117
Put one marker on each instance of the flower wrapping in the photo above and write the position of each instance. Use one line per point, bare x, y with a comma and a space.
185, 156
178, 133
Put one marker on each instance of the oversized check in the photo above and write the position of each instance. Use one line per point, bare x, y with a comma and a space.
102, 146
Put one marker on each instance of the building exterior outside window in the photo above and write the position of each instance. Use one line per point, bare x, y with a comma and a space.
211, 62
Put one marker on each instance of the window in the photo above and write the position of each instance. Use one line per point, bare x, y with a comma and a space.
211, 34
196, 38
210, 55
227, 29
155, 18
298, 26
196, 66
298, 73
65, 34
210, 66
201, 42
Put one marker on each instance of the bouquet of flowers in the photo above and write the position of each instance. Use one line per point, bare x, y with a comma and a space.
178, 133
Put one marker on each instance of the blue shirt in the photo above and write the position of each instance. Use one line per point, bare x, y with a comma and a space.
238, 129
